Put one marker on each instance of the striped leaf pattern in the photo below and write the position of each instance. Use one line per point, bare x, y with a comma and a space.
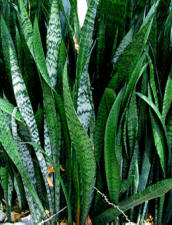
28, 163
23, 150
86, 38
26, 25
84, 108
7, 107
132, 53
103, 113
83, 147
54, 37
7, 141
24, 105
112, 169
123, 45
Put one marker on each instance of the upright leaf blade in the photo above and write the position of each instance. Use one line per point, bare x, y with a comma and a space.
83, 148
86, 37
54, 37
112, 166
132, 53
102, 115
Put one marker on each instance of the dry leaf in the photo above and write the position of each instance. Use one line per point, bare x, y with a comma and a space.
50, 169
15, 217
76, 43
47, 213
88, 221
63, 222
61, 168
149, 220
50, 183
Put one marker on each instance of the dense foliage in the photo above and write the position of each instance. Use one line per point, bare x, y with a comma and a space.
85, 107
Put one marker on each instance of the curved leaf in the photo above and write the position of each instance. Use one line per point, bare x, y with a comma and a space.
7, 107
153, 191
123, 45
102, 115
86, 38
11, 149
157, 132
84, 107
112, 167
167, 96
83, 147
24, 104
132, 53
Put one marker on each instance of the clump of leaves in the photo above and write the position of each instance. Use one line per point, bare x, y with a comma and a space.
94, 100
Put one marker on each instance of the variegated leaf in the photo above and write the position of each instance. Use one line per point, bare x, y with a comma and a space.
54, 37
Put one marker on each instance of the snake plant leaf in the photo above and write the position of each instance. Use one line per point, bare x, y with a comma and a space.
167, 97
26, 25
23, 150
154, 191
119, 19
28, 163
53, 40
160, 135
47, 143
152, 81
100, 47
102, 115
84, 107
4, 175
159, 142
132, 123
56, 169
24, 104
135, 76
86, 37
83, 147
19, 192
39, 53
132, 53
123, 45
153, 107
126, 184
112, 167
7, 107
52, 118
7, 141
146, 163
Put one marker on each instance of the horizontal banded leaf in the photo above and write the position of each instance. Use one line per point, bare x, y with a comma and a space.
86, 37
83, 147
102, 115
84, 107
124, 43
26, 25
152, 81
132, 53
11, 149
167, 96
54, 37
24, 104
112, 167
56, 169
